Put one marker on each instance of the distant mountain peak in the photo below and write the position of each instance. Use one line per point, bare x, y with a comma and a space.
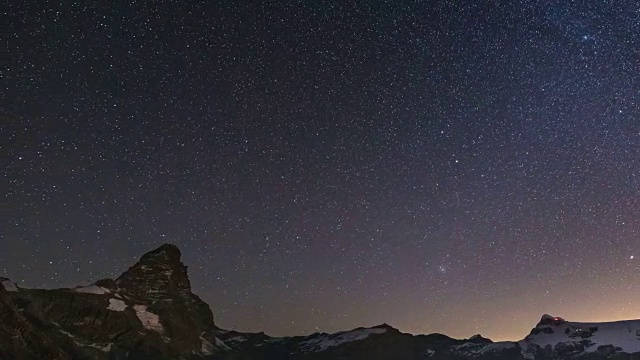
166, 254
385, 326
159, 273
479, 339
547, 319
167, 250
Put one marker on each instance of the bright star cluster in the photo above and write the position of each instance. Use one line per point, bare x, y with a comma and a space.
458, 167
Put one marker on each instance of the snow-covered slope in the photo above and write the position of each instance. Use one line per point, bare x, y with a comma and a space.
320, 342
557, 334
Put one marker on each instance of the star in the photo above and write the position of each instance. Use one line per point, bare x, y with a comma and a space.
442, 269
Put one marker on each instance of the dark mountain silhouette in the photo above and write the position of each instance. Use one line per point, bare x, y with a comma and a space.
150, 313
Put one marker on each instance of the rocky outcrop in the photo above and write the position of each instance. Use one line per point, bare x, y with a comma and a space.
149, 312
161, 278
20, 339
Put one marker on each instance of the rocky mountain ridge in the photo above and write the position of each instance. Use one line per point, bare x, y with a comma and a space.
150, 312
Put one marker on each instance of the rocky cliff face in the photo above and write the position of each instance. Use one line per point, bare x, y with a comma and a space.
150, 312
19, 338
161, 279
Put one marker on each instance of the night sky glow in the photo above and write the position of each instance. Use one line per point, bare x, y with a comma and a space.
458, 167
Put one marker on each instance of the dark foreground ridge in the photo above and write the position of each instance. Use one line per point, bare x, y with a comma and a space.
150, 313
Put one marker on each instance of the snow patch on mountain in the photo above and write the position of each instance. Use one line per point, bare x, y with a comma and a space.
324, 341
473, 348
207, 347
237, 339
104, 348
92, 289
148, 319
429, 353
222, 345
116, 305
9, 285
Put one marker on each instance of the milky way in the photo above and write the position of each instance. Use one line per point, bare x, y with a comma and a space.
446, 166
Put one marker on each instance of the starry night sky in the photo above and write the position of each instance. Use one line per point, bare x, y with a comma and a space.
443, 166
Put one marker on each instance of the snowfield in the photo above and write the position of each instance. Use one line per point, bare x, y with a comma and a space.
92, 289
325, 341
148, 319
621, 334
116, 305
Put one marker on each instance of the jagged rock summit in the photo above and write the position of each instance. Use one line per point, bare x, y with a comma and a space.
149, 312
159, 272
160, 278
158, 275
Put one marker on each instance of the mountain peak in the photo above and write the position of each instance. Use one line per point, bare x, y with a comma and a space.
386, 327
547, 319
167, 252
479, 339
158, 274
160, 277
